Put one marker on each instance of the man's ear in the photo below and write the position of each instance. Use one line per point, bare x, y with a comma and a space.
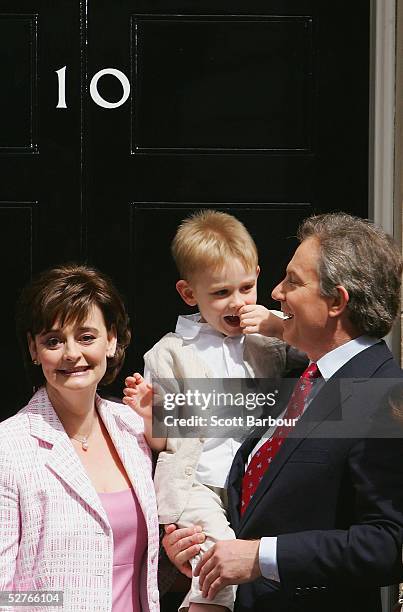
32, 346
186, 292
339, 303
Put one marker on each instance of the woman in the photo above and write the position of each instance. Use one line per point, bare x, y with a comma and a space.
77, 504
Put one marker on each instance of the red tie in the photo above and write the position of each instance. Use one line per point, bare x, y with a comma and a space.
266, 453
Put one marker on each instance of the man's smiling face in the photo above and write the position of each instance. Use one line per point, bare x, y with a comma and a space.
306, 327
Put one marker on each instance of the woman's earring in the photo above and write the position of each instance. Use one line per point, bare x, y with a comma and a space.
35, 362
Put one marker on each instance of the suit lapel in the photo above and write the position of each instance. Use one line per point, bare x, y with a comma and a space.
131, 456
65, 463
235, 479
194, 365
241, 458
62, 459
328, 400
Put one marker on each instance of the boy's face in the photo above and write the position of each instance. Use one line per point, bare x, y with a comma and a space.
220, 293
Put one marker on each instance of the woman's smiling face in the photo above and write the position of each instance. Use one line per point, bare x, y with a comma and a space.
73, 357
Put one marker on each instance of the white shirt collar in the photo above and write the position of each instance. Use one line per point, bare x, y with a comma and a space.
338, 357
190, 326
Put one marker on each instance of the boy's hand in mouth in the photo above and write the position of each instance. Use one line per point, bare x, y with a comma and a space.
256, 319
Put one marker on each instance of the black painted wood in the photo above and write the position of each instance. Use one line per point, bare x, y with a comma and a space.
40, 182
258, 108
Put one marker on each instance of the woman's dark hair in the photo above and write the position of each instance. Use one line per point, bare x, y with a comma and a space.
66, 294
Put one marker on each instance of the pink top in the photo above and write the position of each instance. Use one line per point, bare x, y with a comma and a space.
130, 539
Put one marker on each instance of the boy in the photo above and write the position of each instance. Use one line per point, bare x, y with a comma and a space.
218, 264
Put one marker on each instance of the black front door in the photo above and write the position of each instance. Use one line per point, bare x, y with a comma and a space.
260, 109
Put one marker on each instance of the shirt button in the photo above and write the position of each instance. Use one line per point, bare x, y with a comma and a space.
188, 471
155, 595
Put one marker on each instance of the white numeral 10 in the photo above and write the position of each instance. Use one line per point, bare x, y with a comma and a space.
98, 99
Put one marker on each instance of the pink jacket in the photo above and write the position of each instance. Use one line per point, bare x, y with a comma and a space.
54, 532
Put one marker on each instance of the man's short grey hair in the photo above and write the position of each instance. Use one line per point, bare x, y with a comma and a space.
365, 260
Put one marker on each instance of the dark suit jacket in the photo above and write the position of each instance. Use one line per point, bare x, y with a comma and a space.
334, 501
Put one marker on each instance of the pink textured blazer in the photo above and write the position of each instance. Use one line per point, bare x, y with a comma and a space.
54, 532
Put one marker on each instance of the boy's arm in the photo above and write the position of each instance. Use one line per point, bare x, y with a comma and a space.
138, 394
256, 319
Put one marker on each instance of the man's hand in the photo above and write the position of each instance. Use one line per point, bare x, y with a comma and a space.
256, 319
228, 562
181, 545
138, 395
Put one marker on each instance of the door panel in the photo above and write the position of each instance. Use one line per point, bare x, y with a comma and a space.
40, 192
220, 83
257, 109
258, 112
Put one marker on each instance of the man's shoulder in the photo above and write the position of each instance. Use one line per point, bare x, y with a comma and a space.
376, 361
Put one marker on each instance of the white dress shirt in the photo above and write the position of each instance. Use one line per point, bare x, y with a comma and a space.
224, 356
328, 365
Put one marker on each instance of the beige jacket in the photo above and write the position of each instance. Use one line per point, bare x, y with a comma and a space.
172, 358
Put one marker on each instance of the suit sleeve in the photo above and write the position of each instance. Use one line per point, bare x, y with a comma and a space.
9, 519
368, 552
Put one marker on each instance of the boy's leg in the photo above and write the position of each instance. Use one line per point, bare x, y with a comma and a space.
205, 507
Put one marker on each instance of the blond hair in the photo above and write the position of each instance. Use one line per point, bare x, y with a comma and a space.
210, 238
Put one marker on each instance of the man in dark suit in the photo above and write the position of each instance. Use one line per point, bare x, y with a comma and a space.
323, 528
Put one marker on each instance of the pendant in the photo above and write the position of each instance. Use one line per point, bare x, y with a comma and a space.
84, 444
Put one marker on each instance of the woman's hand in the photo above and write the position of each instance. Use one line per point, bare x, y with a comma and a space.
181, 545
138, 395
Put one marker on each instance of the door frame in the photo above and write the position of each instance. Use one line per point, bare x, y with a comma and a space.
385, 149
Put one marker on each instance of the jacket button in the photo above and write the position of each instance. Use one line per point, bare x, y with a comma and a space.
155, 595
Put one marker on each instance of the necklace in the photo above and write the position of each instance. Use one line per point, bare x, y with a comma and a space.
83, 440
